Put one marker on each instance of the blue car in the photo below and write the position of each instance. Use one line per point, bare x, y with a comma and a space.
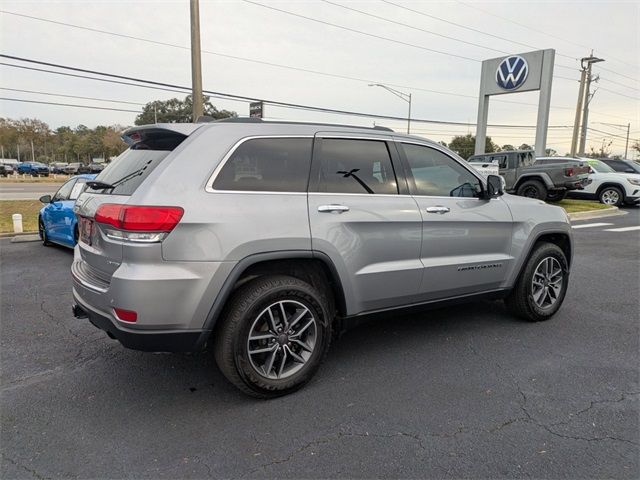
56, 222
34, 169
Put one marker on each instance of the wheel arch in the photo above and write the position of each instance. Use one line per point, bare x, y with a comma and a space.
559, 238
611, 184
541, 177
314, 268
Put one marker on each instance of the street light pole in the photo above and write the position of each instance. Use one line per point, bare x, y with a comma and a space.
626, 145
404, 96
196, 64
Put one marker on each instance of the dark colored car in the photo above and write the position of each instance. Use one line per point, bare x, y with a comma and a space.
3, 171
622, 166
35, 169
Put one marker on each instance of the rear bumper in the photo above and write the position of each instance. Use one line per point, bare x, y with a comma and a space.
148, 341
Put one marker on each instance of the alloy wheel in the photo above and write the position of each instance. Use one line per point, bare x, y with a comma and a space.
546, 283
610, 197
282, 339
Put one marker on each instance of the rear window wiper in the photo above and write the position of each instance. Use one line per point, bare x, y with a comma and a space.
98, 185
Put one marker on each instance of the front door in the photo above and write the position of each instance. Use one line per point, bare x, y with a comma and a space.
363, 219
466, 240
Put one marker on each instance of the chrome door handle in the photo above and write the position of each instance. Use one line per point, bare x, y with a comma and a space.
333, 208
438, 209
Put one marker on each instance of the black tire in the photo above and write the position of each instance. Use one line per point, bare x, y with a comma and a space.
240, 314
533, 189
557, 196
42, 232
611, 196
520, 301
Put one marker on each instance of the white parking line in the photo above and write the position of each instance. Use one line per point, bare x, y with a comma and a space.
623, 229
589, 225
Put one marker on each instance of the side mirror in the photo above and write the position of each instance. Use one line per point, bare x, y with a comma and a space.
45, 199
591, 170
494, 186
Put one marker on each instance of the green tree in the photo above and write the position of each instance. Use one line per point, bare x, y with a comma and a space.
507, 148
551, 152
175, 110
636, 147
525, 146
464, 145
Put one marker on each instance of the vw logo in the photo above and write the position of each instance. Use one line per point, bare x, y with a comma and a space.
512, 72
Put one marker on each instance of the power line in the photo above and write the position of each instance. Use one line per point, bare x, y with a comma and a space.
388, 20
618, 93
71, 96
250, 99
92, 107
529, 27
289, 67
361, 32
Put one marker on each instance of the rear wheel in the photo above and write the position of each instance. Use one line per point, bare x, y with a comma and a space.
611, 196
533, 189
556, 196
42, 232
274, 334
542, 285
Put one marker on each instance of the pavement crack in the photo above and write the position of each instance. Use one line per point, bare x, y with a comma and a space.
32, 471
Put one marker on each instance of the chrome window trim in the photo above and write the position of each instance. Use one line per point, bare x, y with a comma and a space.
212, 178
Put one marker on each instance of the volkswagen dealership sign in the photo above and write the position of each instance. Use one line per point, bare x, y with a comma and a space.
512, 72
522, 72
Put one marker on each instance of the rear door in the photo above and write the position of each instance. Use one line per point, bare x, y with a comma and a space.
362, 217
149, 146
466, 240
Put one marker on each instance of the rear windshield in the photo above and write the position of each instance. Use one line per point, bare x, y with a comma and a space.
134, 165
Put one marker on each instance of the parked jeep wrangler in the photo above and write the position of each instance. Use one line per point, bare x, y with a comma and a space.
260, 239
525, 178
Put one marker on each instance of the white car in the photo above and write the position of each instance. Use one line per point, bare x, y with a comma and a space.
609, 186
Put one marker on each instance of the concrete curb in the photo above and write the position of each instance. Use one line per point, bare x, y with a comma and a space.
26, 238
13, 234
589, 214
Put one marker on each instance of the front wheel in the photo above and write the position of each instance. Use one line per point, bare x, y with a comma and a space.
42, 232
542, 285
274, 334
611, 196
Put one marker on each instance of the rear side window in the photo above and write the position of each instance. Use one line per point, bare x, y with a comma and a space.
134, 165
78, 188
267, 165
65, 190
356, 166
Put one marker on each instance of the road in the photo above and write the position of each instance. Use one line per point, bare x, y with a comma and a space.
460, 392
27, 191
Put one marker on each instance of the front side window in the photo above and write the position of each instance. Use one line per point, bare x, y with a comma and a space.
267, 165
439, 175
64, 191
356, 166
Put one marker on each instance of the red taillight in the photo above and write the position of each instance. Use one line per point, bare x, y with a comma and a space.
125, 315
568, 172
139, 218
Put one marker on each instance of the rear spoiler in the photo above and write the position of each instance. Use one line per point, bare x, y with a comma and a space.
134, 135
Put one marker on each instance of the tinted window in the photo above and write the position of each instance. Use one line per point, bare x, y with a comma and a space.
356, 166
437, 174
134, 165
267, 165
64, 191
78, 188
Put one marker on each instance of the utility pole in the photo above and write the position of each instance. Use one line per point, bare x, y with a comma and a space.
33, 153
196, 63
576, 122
626, 145
584, 97
155, 113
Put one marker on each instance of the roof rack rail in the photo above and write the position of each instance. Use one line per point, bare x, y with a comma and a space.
283, 122
239, 120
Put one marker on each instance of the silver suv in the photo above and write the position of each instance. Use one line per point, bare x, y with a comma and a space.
261, 240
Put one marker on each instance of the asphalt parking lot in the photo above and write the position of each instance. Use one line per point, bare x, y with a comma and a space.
460, 392
27, 191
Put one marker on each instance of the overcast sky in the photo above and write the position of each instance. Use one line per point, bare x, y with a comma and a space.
241, 29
